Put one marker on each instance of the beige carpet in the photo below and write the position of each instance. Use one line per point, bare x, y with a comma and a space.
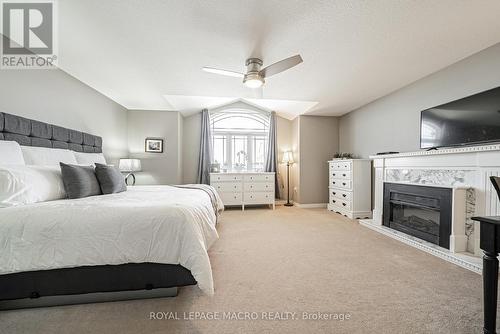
293, 260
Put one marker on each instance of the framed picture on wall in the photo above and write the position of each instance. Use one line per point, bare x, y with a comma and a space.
154, 145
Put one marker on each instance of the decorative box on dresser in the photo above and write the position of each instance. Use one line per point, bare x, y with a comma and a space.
350, 187
244, 188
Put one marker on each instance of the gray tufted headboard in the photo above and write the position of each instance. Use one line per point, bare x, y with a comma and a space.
29, 132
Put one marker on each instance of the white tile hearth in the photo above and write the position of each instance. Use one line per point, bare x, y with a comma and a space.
465, 260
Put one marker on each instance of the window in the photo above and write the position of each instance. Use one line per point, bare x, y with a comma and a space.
220, 148
240, 138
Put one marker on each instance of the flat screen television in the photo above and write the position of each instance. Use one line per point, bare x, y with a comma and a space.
472, 120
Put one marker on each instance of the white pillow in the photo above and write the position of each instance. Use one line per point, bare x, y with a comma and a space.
89, 159
30, 184
10, 153
43, 156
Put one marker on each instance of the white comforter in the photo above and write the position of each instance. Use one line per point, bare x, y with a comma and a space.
159, 224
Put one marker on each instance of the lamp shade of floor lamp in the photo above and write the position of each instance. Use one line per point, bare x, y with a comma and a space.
288, 160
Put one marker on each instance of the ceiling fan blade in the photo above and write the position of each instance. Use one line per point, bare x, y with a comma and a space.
223, 72
281, 66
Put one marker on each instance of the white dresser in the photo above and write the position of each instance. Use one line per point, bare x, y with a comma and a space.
350, 183
244, 188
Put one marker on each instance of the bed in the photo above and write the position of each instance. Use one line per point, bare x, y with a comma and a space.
144, 240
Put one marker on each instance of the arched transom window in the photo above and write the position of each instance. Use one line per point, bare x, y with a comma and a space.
240, 138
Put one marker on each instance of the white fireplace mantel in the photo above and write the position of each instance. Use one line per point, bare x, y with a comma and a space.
458, 168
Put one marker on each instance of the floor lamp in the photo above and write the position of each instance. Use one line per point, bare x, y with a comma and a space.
288, 160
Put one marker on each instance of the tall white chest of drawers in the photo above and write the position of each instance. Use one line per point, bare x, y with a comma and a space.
350, 187
244, 188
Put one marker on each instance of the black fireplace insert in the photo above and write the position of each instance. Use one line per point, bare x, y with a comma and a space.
421, 211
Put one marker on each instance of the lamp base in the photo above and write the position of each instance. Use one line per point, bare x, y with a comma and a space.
133, 179
288, 204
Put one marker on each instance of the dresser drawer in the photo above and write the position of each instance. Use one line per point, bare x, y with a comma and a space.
226, 186
258, 198
340, 194
258, 186
344, 184
340, 165
342, 204
258, 178
231, 198
340, 174
225, 177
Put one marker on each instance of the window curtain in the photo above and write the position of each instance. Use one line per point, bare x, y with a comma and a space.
205, 149
272, 158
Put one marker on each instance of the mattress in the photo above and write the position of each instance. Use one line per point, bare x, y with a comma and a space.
158, 224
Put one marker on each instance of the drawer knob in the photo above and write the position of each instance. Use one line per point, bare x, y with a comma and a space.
333, 174
333, 182
343, 183
344, 204
344, 175
344, 195
334, 193
334, 201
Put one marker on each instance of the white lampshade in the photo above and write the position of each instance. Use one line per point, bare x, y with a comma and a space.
287, 157
130, 165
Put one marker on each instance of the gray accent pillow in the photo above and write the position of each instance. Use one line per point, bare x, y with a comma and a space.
79, 181
110, 179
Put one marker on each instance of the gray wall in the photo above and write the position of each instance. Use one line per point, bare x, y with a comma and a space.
53, 96
157, 168
392, 123
283, 139
191, 134
319, 140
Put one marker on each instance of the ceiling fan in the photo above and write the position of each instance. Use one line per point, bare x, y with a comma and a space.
255, 76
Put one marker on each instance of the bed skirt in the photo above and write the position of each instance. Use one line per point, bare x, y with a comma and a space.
92, 279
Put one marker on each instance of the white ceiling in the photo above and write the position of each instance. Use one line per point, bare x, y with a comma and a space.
139, 53
189, 105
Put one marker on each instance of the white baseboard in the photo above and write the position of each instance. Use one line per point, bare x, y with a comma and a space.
311, 205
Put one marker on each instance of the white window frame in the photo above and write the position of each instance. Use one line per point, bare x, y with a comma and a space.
260, 116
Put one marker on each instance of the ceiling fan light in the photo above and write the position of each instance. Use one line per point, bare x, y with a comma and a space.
253, 83
252, 80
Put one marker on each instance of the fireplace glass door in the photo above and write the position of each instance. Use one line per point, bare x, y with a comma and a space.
421, 211
415, 219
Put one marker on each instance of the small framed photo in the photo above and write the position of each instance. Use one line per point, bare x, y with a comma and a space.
154, 145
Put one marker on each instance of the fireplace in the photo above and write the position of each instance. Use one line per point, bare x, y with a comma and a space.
421, 211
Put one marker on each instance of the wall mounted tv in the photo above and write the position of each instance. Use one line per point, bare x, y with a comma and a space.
472, 120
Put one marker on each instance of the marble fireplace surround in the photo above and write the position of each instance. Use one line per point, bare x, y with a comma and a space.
466, 170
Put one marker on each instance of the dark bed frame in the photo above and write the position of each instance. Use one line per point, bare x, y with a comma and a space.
87, 283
